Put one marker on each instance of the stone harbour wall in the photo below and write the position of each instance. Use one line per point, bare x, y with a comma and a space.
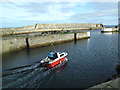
50, 27
67, 25
15, 43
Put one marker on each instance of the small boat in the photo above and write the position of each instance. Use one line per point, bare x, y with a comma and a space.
109, 29
58, 59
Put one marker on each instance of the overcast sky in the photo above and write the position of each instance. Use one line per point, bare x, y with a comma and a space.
17, 14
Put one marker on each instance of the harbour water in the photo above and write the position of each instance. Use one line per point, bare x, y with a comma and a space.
90, 61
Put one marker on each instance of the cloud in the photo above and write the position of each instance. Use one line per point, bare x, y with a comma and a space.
33, 10
105, 14
58, 12
103, 5
98, 14
33, 7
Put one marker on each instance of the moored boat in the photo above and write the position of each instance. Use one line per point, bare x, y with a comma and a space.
109, 29
52, 62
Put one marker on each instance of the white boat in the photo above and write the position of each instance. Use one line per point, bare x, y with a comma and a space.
109, 29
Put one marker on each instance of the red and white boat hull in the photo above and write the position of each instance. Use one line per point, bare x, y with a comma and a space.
54, 62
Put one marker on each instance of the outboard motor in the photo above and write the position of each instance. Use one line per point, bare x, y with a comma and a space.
44, 64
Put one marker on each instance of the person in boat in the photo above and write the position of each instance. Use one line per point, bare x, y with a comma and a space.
51, 55
55, 55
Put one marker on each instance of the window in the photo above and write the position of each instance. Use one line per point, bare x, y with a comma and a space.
61, 55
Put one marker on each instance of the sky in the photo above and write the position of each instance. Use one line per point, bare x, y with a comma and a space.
18, 14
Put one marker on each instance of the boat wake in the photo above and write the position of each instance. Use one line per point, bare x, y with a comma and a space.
27, 76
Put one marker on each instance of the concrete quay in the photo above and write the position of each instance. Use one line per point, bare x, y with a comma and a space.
112, 84
14, 43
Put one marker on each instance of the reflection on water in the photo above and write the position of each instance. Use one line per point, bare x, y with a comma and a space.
91, 61
88, 42
110, 33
